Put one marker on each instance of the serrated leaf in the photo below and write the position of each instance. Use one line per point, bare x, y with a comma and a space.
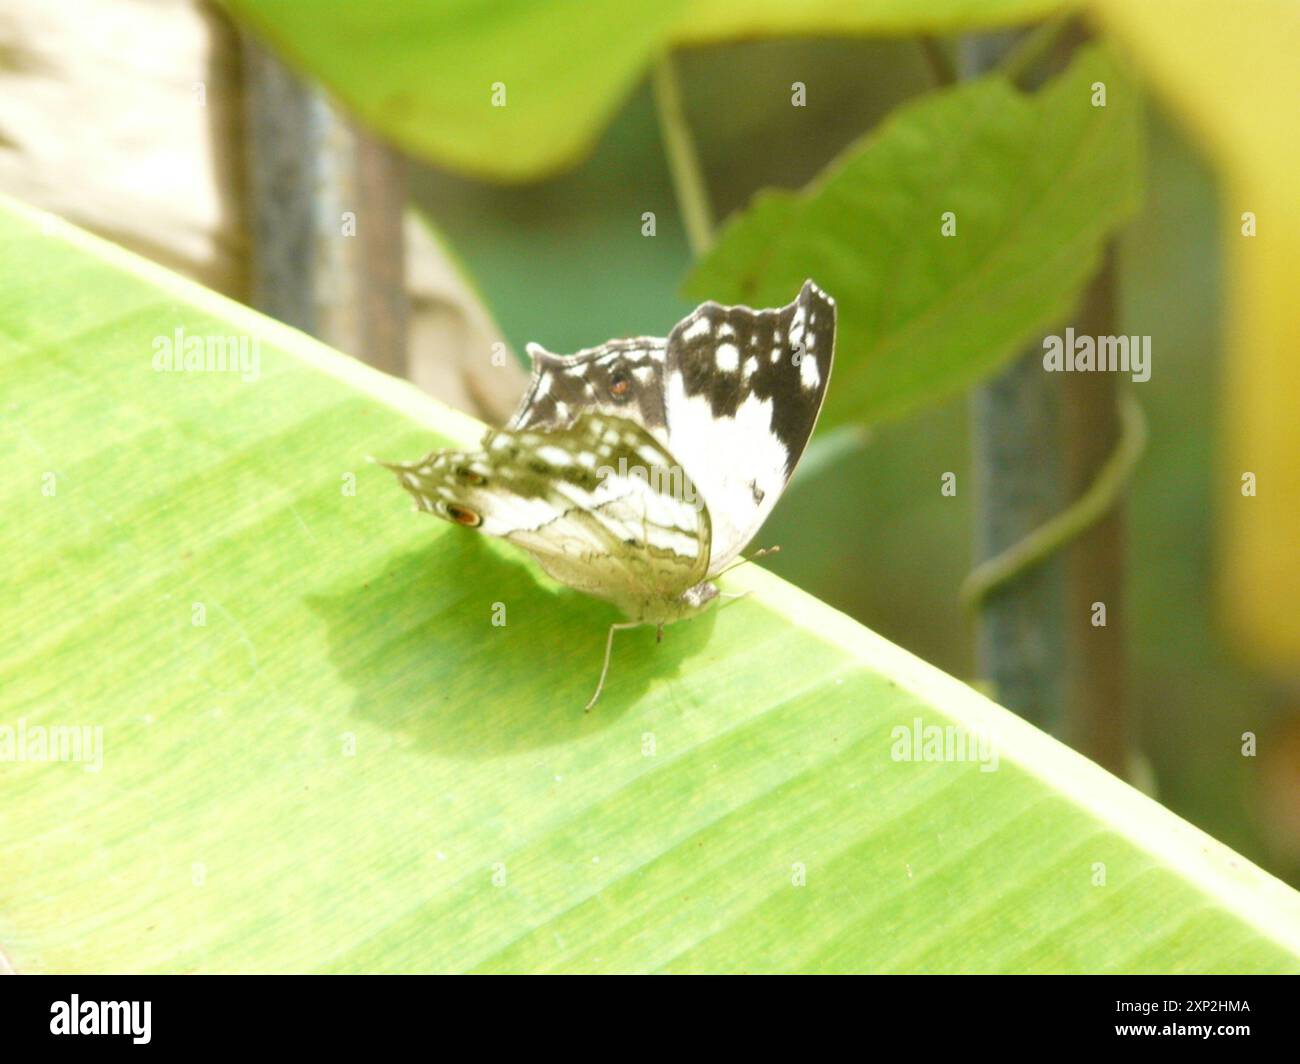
1035, 182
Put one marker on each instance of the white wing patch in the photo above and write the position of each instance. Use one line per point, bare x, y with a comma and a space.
809, 375
699, 330
736, 462
740, 427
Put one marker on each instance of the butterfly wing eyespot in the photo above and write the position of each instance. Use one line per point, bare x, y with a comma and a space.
620, 385
468, 476
462, 515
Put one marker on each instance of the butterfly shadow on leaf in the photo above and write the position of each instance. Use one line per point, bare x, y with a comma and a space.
418, 642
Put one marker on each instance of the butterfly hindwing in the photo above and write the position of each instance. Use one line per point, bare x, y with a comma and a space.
601, 505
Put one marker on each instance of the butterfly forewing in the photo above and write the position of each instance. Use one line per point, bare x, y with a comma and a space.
742, 392
621, 378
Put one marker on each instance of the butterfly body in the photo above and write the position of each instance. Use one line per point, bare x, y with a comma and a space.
637, 471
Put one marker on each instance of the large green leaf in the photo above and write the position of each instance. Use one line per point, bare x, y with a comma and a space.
422, 73
337, 769
1036, 184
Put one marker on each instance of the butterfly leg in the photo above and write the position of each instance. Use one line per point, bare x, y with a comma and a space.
609, 649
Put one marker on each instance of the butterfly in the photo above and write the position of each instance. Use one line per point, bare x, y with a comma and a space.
637, 471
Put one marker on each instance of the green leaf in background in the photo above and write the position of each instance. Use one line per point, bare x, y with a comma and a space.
1036, 184
319, 754
421, 74
725, 20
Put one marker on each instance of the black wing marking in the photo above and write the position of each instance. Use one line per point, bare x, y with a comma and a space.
743, 389
733, 392
620, 378
770, 346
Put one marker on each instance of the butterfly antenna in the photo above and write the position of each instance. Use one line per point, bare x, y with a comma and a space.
396, 467
752, 558
609, 648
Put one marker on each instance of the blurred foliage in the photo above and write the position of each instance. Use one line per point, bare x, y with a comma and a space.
1035, 184
423, 74
714, 21
1233, 77
563, 261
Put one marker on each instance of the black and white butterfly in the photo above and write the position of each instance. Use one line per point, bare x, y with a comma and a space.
637, 471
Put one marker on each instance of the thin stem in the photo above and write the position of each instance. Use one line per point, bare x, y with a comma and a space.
943, 68
1033, 46
683, 159
1047, 539
1097, 716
